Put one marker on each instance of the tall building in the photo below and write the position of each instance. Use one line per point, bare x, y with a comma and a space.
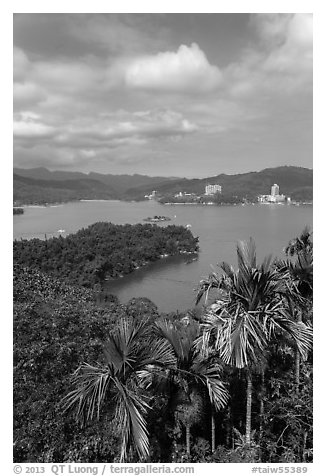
274, 197
212, 189
275, 190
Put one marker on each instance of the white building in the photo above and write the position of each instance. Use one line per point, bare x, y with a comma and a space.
212, 189
275, 190
152, 195
274, 197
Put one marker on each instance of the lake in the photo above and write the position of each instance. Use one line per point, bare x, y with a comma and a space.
170, 283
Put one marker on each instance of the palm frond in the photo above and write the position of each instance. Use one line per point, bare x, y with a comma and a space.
206, 285
248, 340
246, 252
301, 334
122, 345
159, 353
91, 389
130, 414
217, 392
302, 243
167, 331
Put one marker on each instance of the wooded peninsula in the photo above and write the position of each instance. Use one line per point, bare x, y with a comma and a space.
103, 251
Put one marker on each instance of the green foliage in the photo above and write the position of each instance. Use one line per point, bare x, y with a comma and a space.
143, 386
18, 211
56, 328
103, 251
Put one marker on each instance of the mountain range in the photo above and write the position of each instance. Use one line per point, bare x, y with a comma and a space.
40, 185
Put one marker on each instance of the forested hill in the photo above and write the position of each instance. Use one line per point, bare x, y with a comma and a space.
37, 191
294, 181
42, 186
103, 251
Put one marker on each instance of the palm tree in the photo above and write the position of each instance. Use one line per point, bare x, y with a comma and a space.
301, 243
300, 272
191, 375
116, 385
249, 310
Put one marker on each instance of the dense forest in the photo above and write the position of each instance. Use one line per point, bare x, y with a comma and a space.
103, 251
98, 381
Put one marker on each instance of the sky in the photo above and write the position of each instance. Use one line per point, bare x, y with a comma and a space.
191, 95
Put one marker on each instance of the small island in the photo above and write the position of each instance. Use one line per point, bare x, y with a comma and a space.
157, 218
18, 211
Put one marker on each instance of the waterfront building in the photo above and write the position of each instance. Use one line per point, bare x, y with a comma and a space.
212, 189
152, 195
275, 190
274, 197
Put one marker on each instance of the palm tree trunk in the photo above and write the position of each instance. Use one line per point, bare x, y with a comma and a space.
188, 439
297, 370
297, 361
213, 431
304, 447
261, 409
228, 427
248, 412
175, 450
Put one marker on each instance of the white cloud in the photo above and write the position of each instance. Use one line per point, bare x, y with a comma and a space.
86, 134
282, 64
187, 69
31, 129
294, 55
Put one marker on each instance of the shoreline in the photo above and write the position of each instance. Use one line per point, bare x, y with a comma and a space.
142, 266
84, 200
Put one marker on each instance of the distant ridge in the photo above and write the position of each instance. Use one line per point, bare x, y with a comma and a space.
119, 183
294, 181
39, 185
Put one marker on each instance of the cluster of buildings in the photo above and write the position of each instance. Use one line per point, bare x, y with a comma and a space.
152, 195
210, 190
274, 197
184, 194
213, 189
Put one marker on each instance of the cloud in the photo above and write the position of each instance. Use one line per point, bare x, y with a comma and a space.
87, 85
126, 128
54, 36
30, 129
282, 61
27, 93
67, 77
86, 137
187, 69
294, 54
20, 64
119, 33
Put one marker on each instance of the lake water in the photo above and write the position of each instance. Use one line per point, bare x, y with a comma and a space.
170, 283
